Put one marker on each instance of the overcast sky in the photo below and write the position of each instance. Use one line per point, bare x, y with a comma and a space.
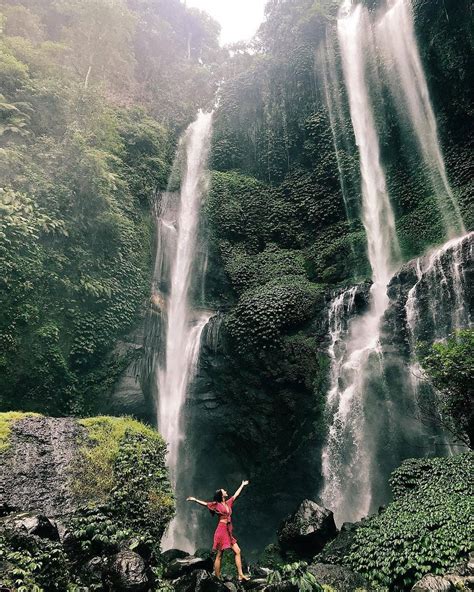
239, 19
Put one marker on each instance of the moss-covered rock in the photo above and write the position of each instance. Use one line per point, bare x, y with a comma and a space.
103, 480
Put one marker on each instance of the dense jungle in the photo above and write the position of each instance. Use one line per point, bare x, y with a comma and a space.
220, 263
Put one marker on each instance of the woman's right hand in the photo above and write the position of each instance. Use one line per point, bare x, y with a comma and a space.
190, 499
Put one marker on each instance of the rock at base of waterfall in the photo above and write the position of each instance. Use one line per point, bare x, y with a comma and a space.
34, 524
199, 581
180, 567
432, 584
339, 547
338, 577
307, 530
282, 587
171, 554
128, 572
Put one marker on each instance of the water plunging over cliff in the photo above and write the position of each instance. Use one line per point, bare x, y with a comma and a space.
352, 443
179, 274
374, 393
404, 73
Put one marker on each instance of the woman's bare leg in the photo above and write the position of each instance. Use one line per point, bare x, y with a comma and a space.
238, 561
217, 564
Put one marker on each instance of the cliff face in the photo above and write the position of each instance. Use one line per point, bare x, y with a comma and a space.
82, 502
36, 468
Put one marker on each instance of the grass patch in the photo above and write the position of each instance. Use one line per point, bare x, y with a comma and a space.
94, 472
6, 420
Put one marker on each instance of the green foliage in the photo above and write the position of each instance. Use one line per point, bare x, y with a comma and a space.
263, 313
449, 366
31, 564
95, 472
296, 574
427, 529
6, 420
130, 500
93, 96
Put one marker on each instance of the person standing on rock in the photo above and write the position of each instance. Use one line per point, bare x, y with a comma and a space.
223, 538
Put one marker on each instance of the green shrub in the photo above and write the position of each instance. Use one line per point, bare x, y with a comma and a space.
263, 313
429, 527
296, 574
31, 564
122, 476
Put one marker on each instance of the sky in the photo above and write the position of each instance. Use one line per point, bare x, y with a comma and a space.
239, 19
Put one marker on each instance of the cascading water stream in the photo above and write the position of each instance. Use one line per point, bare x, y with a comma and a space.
349, 456
404, 72
372, 423
180, 272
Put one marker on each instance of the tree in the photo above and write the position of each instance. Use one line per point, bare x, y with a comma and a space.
449, 366
100, 34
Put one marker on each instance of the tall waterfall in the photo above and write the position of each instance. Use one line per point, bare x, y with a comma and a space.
404, 73
179, 274
373, 396
349, 456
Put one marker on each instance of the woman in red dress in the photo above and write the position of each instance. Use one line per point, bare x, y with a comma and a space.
223, 538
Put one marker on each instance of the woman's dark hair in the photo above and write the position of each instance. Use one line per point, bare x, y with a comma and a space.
218, 497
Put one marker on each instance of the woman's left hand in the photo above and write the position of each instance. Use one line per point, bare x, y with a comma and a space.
245, 483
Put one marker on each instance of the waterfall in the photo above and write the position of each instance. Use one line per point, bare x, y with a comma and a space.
349, 456
436, 304
404, 72
179, 276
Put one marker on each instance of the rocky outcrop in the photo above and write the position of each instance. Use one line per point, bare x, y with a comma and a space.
130, 395
338, 577
182, 566
32, 524
128, 572
460, 578
199, 581
307, 530
35, 470
432, 295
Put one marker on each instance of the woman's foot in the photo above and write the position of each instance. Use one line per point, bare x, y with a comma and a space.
243, 578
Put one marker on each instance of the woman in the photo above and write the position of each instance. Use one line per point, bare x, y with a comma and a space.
223, 539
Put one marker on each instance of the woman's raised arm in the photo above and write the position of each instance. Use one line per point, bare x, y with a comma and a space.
239, 491
193, 499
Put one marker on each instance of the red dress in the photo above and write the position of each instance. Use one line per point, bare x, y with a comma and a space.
223, 538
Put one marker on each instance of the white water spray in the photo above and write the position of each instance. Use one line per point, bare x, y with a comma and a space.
178, 266
349, 456
397, 40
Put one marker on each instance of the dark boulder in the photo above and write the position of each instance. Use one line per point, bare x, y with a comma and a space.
128, 572
93, 571
171, 554
199, 581
180, 567
35, 524
282, 587
307, 530
255, 584
433, 584
339, 547
338, 577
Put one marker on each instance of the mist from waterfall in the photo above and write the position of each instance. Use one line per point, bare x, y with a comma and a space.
179, 274
348, 458
404, 73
